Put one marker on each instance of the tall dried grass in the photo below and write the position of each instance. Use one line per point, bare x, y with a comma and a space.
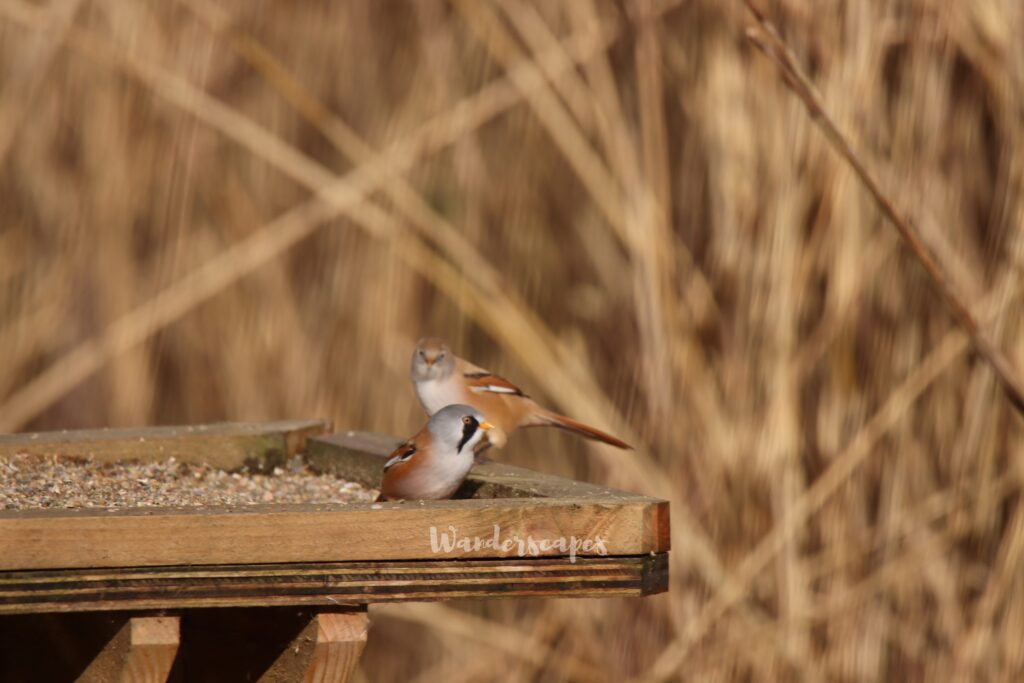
236, 210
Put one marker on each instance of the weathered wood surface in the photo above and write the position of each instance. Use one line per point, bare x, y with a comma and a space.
138, 559
154, 644
328, 583
321, 533
340, 639
327, 650
142, 651
225, 445
538, 506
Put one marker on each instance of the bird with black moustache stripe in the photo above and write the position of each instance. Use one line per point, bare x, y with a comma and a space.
434, 463
441, 378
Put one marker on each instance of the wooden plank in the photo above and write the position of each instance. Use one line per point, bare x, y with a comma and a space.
227, 446
328, 583
325, 533
549, 515
142, 651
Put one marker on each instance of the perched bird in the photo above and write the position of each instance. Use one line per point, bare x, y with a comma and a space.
433, 464
442, 378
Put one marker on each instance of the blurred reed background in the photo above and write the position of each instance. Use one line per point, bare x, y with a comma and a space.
215, 210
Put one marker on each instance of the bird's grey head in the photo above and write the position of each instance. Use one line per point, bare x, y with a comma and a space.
457, 429
431, 360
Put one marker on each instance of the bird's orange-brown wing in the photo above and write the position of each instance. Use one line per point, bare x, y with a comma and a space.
395, 469
403, 453
503, 404
482, 381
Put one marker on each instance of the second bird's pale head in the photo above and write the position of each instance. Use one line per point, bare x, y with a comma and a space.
431, 360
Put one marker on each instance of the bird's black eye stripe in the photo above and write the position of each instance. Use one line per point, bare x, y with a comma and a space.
468, 430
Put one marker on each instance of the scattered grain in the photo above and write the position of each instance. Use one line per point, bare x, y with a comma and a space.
32, 481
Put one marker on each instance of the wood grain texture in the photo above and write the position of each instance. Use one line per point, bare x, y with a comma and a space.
142, 651
328, 583
549, 510
224, 445
326, 650
153, 646
321, 533
340, 640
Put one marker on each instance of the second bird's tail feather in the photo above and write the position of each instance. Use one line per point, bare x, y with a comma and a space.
571, 425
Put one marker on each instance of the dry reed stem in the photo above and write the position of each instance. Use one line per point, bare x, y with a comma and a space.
241, 258
565, 133
805, 324
842, 468
485, 632
406, 198
652, 220
513, 320
909, 565
19, 95
954, 298
432, 225
539, 37
263, 244
345, 193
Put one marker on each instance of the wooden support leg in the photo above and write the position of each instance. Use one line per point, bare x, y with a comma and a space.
154, 644
143, 651
340, 639
326, 651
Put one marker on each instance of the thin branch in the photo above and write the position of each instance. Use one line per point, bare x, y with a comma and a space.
793, 74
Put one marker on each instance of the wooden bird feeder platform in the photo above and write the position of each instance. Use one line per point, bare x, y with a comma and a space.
140, 581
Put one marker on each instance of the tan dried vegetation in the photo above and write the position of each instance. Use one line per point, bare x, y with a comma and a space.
249, 210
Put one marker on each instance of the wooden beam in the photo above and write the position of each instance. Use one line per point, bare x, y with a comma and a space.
227, 446
326, 651
340, 639
328, 583
154, 644
52, 539
143, 651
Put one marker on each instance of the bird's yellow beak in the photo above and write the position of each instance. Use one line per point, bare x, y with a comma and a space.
486, 425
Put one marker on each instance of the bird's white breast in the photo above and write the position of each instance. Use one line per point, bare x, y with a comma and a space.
435, 394
444, 475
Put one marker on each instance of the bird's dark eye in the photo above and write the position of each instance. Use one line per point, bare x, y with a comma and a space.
440, 355
467, 420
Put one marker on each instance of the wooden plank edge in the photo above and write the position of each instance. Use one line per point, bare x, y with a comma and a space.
634, 576
227, 445
313, 534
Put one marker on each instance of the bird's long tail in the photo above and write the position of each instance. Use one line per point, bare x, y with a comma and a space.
571, 425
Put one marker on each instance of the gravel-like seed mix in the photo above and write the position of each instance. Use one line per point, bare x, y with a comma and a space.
32, 482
